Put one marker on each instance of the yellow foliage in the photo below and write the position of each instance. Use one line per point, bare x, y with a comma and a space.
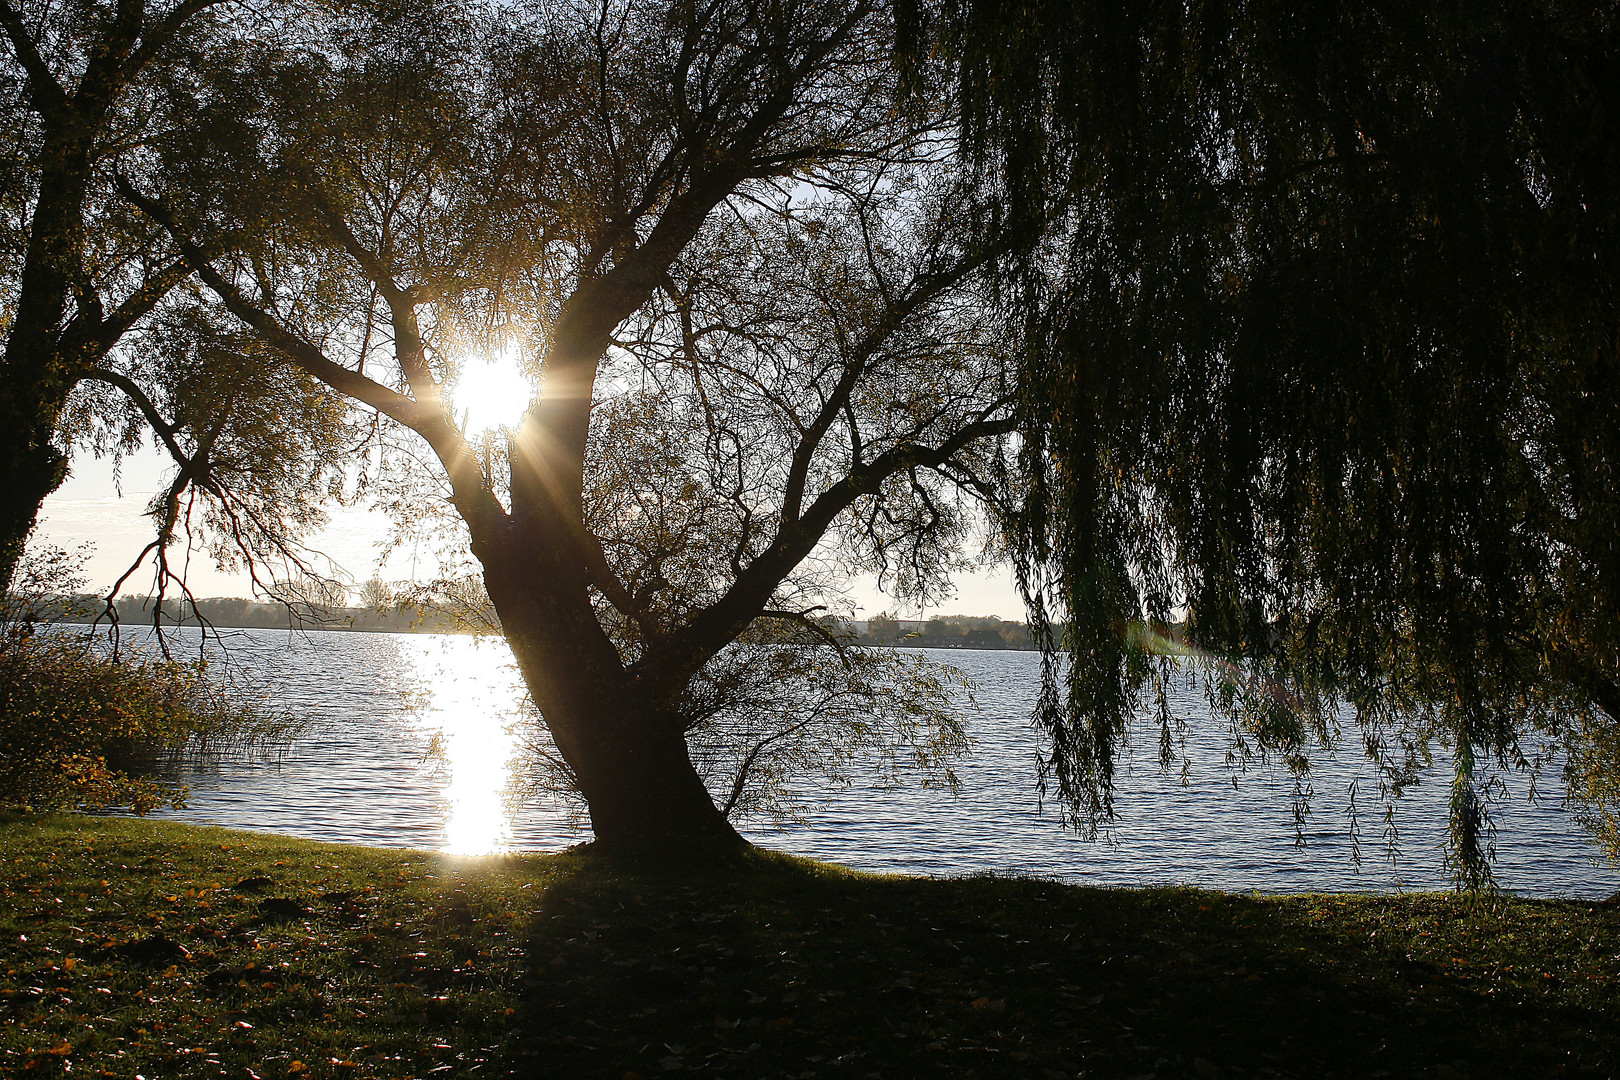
77, 727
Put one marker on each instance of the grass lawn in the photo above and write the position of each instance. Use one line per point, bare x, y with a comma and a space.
138, 947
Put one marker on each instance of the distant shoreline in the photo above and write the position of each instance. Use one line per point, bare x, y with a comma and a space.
949, 632
362, 623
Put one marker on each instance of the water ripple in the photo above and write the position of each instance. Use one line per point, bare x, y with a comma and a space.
366, 774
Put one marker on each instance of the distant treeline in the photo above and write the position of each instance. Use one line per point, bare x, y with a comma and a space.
235, 611
945, 632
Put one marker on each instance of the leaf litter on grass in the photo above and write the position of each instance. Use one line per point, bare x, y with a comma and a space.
392, 964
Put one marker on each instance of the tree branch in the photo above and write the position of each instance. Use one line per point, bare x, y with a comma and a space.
47, 94
476, 503
893, 318
165, 32
802, 618
133, 391
100, 332
710, 629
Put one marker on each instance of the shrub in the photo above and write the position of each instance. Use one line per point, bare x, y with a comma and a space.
83, 730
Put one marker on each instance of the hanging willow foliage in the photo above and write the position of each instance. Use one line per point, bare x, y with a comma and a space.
1323, 365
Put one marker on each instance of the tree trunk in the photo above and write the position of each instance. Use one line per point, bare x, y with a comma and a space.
30, 469
644, 795
628, 754
36, 377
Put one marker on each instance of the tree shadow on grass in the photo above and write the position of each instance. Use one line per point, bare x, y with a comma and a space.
773, 967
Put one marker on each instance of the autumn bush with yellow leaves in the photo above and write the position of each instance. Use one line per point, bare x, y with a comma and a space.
83, 729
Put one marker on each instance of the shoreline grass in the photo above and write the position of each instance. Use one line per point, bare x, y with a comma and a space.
137, 947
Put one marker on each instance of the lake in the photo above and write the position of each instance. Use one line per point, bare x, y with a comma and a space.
366, 771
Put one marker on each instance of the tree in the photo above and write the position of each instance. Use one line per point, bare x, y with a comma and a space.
102, 348
760, 324
310, 599
1325, 361
376, 595
883, 627
69, 256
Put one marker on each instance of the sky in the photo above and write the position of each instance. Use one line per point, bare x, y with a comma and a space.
92, 508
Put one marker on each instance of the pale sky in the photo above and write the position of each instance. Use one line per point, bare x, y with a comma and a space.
90, 508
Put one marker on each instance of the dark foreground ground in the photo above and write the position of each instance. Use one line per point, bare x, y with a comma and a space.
134, 947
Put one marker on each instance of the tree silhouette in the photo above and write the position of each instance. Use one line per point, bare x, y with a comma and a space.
1326, 363
102, 349
759, 322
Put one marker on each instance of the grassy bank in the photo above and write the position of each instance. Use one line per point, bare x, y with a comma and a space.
137, 947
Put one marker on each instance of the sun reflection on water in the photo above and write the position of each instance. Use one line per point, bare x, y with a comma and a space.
473, 704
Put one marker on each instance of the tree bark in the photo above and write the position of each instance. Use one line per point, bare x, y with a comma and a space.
627, 752
29, 471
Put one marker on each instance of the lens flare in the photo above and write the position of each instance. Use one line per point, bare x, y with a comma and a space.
492, 392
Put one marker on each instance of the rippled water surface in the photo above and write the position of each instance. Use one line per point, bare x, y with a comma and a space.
380, 704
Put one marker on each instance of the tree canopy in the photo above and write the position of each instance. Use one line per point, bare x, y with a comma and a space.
744, 271
104, 346
1325, 363
1280, 337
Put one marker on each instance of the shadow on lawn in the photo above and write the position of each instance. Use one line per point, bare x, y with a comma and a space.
776, 970
140, 948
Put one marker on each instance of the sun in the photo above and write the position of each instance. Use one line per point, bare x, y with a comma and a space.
491, 391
